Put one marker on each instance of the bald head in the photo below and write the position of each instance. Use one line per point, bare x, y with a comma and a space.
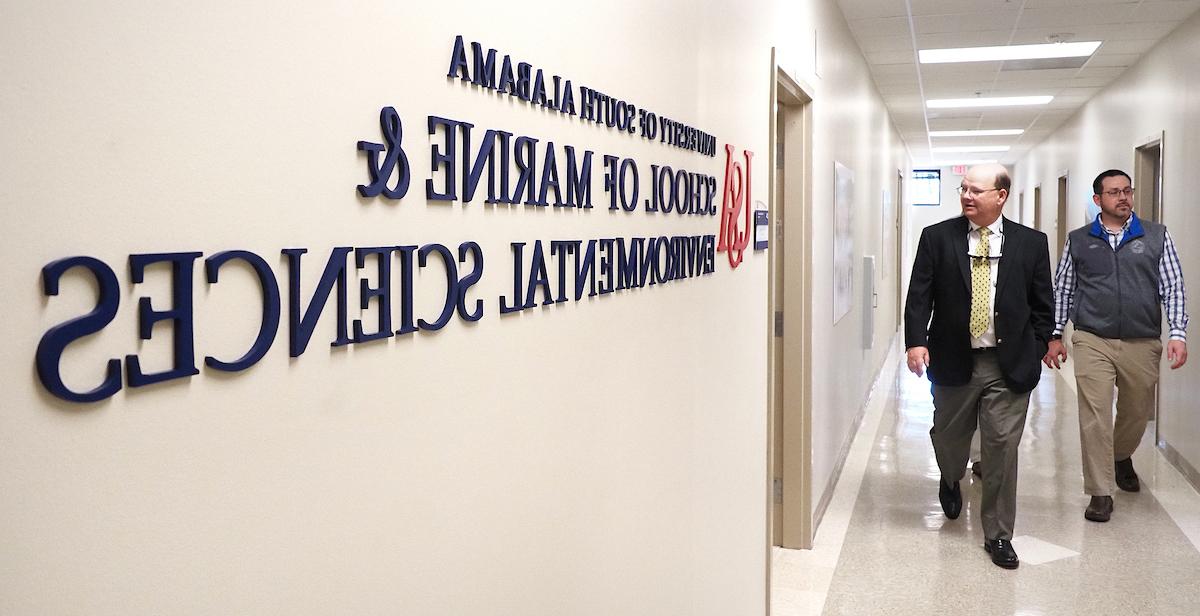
985, 189
995, 173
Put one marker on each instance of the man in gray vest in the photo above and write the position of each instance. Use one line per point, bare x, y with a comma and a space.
1112, 277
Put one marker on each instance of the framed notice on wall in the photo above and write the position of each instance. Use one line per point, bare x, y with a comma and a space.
926, 187
888, 227
843, 240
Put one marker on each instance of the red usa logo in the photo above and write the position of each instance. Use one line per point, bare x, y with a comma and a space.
735, 207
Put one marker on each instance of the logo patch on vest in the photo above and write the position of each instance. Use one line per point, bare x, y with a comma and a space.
1138, 247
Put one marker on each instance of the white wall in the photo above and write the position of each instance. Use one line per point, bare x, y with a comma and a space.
851, 126
1159, 94
925, 215
605, 456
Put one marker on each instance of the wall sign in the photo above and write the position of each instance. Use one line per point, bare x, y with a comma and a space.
468, 163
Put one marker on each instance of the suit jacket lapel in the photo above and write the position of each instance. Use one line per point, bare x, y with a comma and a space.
960, 250
1007, 253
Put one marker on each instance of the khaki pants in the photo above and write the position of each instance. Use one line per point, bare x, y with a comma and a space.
1100, 364
987, 402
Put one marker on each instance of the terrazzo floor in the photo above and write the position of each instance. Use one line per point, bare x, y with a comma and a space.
884, 546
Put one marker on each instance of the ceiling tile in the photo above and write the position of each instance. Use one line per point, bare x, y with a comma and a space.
1071, 16
1136, 46
954, 114
1055, 74
949, 7
965, 22
896, 80
1088, 92
957, 70
959, 124
886, 43
1127, 28
1165, 11
944, 40
1113, 59
889, 57
882, 26
898, 88
1092, 32
909, 69
1092, 82
1099, 72
864, 9
1042, 4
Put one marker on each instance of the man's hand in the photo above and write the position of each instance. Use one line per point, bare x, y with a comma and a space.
1056, 354
1176, 353
918, 360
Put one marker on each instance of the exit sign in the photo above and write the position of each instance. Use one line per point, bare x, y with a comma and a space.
959, 169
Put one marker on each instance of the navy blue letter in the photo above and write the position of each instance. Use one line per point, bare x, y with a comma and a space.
270, 308
56, 339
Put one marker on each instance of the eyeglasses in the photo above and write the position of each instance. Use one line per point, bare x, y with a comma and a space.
1128, 192
974, 192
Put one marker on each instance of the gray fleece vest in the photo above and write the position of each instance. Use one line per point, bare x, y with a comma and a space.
1116, 293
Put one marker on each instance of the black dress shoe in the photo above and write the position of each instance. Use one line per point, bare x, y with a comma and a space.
1003, 554
951, 498
1127, 478
1100, 509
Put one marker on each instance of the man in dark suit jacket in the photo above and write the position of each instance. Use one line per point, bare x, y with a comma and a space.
979, 315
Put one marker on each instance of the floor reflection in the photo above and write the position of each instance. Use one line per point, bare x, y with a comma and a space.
902, 556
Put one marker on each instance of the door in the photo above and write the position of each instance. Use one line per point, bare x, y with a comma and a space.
1037, 207
1061, 223
1147, 180
898, 257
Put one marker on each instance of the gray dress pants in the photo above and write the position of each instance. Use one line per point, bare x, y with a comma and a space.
999, 412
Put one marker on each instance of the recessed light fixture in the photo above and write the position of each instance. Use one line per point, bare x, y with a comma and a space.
973, 161
974, 148
1008, 52
1002, 132
994, 101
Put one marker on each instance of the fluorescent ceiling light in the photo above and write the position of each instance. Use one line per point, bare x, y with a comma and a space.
1008, 52
974, 161
994, 101
974, 148
1004, 132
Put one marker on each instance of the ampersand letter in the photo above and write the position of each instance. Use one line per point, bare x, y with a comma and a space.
393, 133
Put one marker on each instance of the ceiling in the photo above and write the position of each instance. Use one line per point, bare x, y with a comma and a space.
891, 31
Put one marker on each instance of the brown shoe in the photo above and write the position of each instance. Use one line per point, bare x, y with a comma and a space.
1100, 509
1126, 477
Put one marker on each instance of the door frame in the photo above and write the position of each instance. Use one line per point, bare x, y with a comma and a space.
1140, 163
789, 440
1139, 169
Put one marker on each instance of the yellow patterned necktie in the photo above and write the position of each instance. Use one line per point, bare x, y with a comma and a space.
981, 280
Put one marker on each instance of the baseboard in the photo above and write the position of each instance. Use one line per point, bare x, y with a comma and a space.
1181, 464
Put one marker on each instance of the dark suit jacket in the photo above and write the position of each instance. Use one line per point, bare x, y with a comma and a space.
938, 309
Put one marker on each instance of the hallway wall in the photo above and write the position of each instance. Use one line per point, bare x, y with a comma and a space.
1158, 95
599, 456
925, 215
851, 126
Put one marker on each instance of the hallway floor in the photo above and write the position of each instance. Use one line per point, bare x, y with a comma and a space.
884, 546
